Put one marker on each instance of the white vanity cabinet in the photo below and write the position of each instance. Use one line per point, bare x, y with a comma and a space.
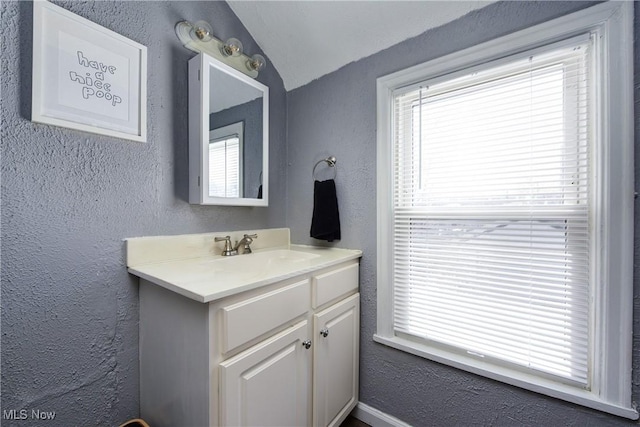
285, 354
335, 362
269, 384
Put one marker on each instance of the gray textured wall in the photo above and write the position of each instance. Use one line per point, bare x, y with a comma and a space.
336, 115
69, 308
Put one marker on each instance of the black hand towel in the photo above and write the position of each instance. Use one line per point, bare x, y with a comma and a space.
325, 224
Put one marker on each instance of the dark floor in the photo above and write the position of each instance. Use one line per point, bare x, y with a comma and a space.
353, 422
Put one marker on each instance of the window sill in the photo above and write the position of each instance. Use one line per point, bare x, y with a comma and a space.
509, 376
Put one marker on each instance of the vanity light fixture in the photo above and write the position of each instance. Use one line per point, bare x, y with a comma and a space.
201, 30
257, 62
232, 47
198, 37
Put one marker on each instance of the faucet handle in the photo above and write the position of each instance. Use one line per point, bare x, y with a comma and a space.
228, 249
250, 236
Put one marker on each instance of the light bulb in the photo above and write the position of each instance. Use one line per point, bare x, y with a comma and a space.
257, 62
232, 47
201, 31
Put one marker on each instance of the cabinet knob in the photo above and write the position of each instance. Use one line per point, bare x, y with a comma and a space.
306, 344
324, 332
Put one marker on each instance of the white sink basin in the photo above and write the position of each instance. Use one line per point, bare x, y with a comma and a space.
256, 264
207, 278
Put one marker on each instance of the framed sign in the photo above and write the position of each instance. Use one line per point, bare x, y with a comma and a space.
87, 77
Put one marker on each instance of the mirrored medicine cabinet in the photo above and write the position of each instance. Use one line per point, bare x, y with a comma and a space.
228, 135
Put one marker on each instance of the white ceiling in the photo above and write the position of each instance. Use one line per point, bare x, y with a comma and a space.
305, 40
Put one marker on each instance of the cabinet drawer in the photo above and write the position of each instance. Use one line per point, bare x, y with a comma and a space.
253, 317
334, 284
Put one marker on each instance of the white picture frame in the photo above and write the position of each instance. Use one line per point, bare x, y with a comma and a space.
87, 77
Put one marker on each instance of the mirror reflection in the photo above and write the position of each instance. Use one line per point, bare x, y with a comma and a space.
235, 137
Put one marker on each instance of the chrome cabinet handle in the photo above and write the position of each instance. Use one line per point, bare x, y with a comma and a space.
324, 332
306, 344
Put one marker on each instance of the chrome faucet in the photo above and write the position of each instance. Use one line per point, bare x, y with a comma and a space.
246, 241
228, 250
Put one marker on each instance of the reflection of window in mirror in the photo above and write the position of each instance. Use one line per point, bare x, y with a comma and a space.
225, 166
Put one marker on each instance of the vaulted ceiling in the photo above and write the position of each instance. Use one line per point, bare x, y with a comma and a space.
305, 40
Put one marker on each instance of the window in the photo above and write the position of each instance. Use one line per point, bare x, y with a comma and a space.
505, 202
225, 154
491, 212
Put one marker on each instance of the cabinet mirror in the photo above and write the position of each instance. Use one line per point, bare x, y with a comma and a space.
228, 135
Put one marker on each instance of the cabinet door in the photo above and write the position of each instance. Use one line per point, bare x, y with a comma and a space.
335, 358
268, 384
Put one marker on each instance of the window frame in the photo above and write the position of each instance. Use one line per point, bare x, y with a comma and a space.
612, 331
219, 135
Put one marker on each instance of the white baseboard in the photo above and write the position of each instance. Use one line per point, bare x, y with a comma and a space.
376, 418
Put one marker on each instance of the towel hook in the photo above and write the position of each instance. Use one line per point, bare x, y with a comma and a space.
330, 161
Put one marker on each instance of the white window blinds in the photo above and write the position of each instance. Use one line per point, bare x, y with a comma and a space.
224, 167
491, 212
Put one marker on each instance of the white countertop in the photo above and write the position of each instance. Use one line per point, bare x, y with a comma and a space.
208, 278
